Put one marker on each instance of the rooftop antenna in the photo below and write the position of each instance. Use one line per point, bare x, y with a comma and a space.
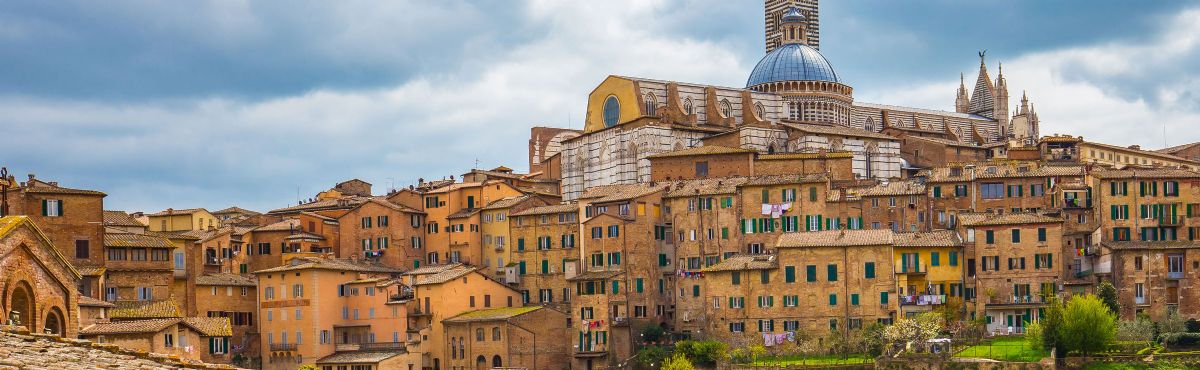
391, 184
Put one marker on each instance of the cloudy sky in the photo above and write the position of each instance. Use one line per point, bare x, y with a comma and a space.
212, 104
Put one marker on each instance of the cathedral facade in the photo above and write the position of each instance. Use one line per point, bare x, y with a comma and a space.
794, 101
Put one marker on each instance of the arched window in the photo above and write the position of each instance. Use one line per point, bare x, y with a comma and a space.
480, 362
496, 361
687, 105
612, 111
771, 149
496, 334
453, 345
758, 108
479, 334
651, 105
726, 108
870, 125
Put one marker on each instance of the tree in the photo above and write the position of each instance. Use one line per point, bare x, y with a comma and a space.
919, 329
677, 362
649, 356
706, 352
308, 367
652, 333
1139, 330
1050, 325
1088, 325
1108, 293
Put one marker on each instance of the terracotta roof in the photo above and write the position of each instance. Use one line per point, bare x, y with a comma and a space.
145, 310
1061, 139
367, 280
818, 155
186, 234
745, 262
42, 187
835, 238
128, 327
1148, 173
432, 269
91, 270
944, 141
784, 179
701, 150
615, 193
595, 275
492, 314
835, 130
324, 204
320, 216
225, 279
120, 218
136, 240
688, 188
360, 357
85, 301
303, 263
1139, 245
176, 212
304, 236
456, 186
1143, 152
987, 219
937, 238
210, 326
285, 225
236, 209
396, 206
1178, 148
551, 209
507, 202
22, 350
463, 213
893, 188
986, 170
443, 276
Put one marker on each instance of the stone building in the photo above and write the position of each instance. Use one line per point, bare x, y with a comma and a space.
439, 293
382, 231
452, 231
499, 245
73, 219
929, 270
182, 220
528, 337
194, 338
1011, 266
544, 143
20, 348
233, 297
816, 284
544, 249
1190, 151
1066, 148
39, 283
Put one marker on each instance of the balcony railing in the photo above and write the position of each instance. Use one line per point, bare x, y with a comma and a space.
1076, 203
922, 300
1167, 220
400, 297
1083, 273
367, 347
1175, 275
620, 321
911, 268
1020, 299
283, 346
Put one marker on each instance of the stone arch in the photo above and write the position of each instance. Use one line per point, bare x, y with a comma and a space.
688, 107
55, 322
651, 103
21, 298
497, 362
480, 363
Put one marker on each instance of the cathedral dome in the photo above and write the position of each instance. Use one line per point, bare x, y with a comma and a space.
792, 62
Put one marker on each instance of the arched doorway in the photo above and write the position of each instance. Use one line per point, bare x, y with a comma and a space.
54, 322
22, 303
496, 362
481, 363
437, 364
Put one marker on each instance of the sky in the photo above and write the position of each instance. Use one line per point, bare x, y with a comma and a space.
261, 103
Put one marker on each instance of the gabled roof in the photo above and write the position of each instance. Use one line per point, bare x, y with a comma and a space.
836, 238
492, 314
767, 180
85, 301
443, 276
742, 262
893, 188
323, 204
226, 279
937, 238
835, 130
177, 212
360, 357
145, 310
596, 275
1178, 148
689, 188
551, 209
126, 240
120, 219
10, 223
285, 225
1147, 173
463, 213
1017, 218
129, 327
616, 193
42, 187
236, 209
432, 269
210, 326
701, 150
508, 202
320, 263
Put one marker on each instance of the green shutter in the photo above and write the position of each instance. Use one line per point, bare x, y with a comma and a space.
833, 299
818, 222
811, 272
766, 196
522, 267
870, 270
883, 297
854, 299
831, 271
789, 274
44, 209
937, 191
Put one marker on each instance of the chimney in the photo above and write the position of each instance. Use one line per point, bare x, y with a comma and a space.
31, 177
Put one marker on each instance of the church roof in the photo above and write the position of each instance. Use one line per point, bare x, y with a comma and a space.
982, 98
792, 62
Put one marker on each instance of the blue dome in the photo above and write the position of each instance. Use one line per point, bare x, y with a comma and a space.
792, 62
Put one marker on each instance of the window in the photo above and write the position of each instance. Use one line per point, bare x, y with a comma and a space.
789, 274
810, 272
81, 249
991, 190
168, 340
832, 272
1041, 234
52, 208
612, 111
990, 236
701, 169
869, 270
1016, 236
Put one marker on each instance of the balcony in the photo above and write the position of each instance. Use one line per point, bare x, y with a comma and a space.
1139, 300
595, 351
911, 269
402, 297
620, 321
922, 300
283, 347
1076, 203
367, 347
1176, 275
1083, 273
1017, 301
1167, 220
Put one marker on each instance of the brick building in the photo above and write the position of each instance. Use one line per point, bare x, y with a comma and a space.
544, 249
1011, 266
39, 283
520, 337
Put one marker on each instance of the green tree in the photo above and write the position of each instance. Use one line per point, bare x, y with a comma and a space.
308, 367
1051, 323
1088, 325
1108, 293
652, 333
705, 352
677, 362
919, 329
650, 356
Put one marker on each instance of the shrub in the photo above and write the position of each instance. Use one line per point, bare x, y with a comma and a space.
1033, 336
1180, 339
650, 356
706, 352
1108, 294
1135, 331
1088, 325
652, 333
677, 362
